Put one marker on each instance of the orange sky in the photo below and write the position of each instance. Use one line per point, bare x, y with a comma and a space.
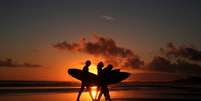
30, 29
55, 65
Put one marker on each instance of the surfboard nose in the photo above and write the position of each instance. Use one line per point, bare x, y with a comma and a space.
69, 71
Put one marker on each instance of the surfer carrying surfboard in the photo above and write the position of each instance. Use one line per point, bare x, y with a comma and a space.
84, 78
103, 86
105, 77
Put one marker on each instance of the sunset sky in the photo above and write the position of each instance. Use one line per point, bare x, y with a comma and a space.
41, 39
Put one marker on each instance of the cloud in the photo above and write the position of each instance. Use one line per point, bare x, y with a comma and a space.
177, 59
185, 52
109, 18
104, 47
180, 60
161, 64
182, 67
10, 63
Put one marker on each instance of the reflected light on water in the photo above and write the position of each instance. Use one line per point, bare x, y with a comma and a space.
130, 94
67, 96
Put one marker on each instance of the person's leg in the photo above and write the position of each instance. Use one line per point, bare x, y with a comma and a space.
106, 94
81, 90
100, 94
98, 91
90, 93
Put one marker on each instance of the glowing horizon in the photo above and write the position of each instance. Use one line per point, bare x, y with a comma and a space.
40, 41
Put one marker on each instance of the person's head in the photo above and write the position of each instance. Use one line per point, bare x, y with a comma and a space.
88, 63
110, 66
100, 65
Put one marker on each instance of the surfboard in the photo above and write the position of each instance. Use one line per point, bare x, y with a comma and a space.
115, 76
91, 80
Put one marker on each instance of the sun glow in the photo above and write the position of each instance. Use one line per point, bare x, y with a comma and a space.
94, 92
93, 89
93, 69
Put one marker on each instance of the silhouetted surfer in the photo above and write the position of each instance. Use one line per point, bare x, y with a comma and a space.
103, 75
84, 80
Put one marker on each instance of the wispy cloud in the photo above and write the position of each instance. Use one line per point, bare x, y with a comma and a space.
8, 62
108, 18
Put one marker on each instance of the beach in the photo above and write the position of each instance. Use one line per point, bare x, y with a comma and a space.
121, 92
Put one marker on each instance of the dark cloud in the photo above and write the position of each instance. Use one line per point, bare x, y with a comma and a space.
180, 66
160, 63
105, 47
64, 45
184, 52
10, 63
181, 60
134, 61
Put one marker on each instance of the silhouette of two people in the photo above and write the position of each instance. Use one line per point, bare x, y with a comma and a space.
103, 75
102, 86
